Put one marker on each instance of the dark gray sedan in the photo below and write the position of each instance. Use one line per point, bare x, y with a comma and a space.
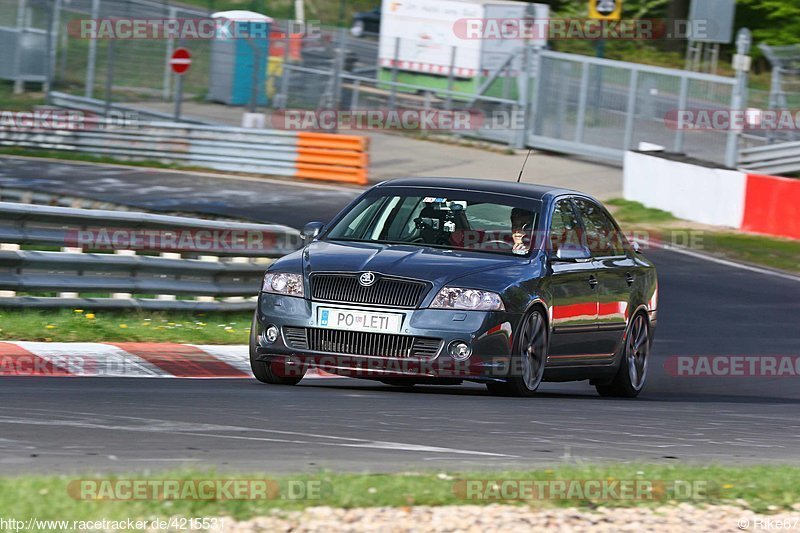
434, 280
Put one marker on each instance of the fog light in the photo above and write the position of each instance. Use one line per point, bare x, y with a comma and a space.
460, 350
271, 334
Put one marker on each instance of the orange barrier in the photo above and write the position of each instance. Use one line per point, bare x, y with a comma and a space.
334, 157
772, 206
310, 139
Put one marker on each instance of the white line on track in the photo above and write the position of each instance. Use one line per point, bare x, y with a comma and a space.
93, 421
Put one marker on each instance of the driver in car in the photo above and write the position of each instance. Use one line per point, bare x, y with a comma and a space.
521, 222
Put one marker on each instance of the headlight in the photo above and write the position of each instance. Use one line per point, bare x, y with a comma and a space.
280, 283
467, 299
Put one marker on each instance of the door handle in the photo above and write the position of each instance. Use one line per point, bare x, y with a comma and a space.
630, 278
592, 281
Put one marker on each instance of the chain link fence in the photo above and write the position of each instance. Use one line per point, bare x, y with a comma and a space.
529, 97
599, 107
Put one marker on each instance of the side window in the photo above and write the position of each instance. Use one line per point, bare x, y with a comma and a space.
601, 234
564, 228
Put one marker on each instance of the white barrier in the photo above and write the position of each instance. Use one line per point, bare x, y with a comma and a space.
702, 194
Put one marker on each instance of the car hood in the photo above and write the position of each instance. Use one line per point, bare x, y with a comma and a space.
430, 264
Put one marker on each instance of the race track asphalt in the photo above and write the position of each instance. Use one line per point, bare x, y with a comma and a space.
277, 201
706, 308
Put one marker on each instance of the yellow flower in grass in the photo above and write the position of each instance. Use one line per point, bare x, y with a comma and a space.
78, 311
50, 326
123, 326
90, 316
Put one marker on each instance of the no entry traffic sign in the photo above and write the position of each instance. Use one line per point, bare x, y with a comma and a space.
180, 61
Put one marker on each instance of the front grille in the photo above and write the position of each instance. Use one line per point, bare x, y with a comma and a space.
361, 343
345, 288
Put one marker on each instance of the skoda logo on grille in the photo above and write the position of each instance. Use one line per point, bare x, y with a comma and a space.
366, 279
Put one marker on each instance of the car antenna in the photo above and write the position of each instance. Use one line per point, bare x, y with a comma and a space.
523, 165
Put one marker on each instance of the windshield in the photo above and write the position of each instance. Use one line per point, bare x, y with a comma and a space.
449, 219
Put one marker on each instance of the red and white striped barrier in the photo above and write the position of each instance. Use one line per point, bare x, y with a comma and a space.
751, 202
127, 359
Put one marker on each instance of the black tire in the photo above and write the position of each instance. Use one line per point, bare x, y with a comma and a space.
268, 372
531, 349
632, 374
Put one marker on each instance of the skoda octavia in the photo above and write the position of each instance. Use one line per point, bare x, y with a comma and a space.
442, 281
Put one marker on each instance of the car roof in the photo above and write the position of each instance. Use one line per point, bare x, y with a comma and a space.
526, 190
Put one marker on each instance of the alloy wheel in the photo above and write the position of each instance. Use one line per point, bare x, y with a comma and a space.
636, 350
533, 344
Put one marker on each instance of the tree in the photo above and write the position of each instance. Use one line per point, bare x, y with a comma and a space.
775, 22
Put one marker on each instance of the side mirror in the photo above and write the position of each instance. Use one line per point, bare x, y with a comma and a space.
573, 254
311, 230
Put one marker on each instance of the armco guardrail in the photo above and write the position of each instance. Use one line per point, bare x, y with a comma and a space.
101, 107
778, 158
321, 156
111, 259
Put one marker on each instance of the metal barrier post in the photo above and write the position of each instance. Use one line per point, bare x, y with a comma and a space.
91, 61
738, 99
393, 90
338, 69
356, 93
52, 47
167, 86
524, 97
109, 75
630, 111
19, 85
451, 77
682, 99
531, 118
580, 120
281, 99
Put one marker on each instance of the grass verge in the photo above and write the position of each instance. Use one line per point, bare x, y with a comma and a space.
771, 252
85, 325
18, 102
763, 488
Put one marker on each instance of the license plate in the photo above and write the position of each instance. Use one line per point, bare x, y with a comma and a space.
359, 320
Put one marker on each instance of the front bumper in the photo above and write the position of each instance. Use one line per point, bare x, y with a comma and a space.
489, 334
